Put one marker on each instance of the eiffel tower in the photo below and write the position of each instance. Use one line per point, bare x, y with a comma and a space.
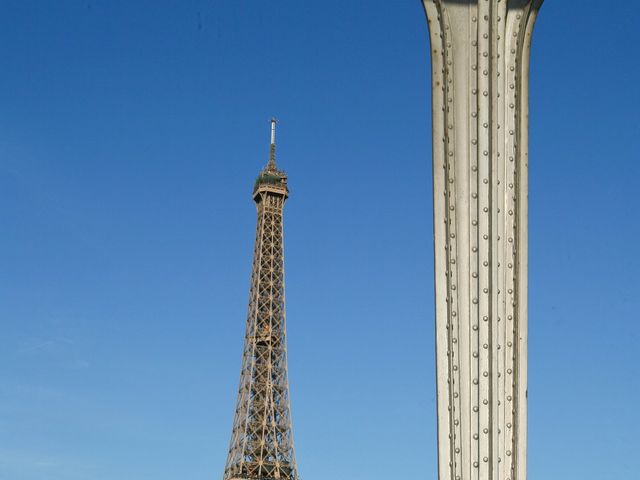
261, 445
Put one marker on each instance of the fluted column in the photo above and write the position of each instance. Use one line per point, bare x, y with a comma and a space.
480, 57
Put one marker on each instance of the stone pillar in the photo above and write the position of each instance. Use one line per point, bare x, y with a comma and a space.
480, 61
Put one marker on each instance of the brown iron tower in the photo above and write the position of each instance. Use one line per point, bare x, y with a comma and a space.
261, 445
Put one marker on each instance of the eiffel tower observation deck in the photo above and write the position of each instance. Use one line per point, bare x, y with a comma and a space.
261, 445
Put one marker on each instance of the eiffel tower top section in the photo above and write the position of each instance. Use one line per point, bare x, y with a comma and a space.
271, 180
261, 446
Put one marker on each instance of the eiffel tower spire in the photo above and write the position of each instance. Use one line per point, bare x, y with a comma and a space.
261, 445
272, 149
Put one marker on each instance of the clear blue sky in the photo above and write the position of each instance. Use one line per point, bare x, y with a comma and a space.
130, 136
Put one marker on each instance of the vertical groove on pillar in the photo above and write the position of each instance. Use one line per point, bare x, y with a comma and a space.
474, 240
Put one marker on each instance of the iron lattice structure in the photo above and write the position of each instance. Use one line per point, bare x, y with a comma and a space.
261, 445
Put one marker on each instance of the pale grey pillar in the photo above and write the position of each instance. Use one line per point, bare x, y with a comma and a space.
480, 58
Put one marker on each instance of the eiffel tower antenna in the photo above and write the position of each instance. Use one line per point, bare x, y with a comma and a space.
273, 131
272, 149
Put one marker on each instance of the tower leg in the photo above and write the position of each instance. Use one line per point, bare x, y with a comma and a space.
480, 57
